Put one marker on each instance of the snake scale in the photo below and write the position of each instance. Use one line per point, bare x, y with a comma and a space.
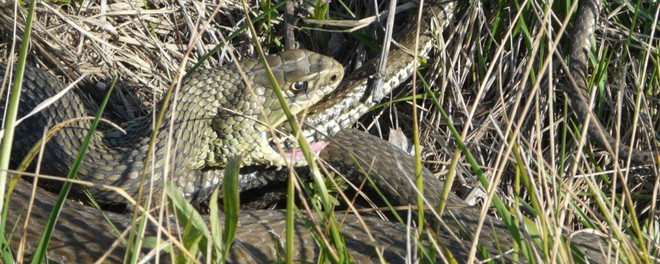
82, 236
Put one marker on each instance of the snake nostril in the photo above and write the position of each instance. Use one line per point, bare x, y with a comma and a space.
334, 78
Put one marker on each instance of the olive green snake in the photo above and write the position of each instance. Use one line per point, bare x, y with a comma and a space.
259, 233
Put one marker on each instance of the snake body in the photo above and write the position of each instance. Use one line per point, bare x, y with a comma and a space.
260, 232
215, 118
581, 44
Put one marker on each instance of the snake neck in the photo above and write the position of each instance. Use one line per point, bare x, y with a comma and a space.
195, 133
116, 158
213, 117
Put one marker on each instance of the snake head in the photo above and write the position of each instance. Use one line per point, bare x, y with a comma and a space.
244, 127
305, 78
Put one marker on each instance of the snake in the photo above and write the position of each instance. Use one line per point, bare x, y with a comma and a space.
579, 54
215, 118
82, 235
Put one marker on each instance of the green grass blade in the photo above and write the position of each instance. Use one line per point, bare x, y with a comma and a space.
231, 201
10, 119
195, 231
216, 230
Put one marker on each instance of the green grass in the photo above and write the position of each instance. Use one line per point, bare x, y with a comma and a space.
556, 186
528, 149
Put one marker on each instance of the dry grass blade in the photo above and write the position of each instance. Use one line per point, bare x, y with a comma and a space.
495, 73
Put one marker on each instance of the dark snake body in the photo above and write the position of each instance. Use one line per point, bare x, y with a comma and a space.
260, 233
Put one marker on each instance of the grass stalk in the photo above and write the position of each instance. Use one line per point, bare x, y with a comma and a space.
9, 121
12, 107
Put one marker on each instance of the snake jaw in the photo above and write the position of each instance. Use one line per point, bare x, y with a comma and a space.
274, 156
305, 78
290, 153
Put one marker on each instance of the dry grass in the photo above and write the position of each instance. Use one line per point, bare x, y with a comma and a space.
484, 75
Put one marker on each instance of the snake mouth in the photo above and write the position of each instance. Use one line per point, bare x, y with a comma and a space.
293, 153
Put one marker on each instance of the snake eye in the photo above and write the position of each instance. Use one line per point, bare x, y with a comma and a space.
299, 87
